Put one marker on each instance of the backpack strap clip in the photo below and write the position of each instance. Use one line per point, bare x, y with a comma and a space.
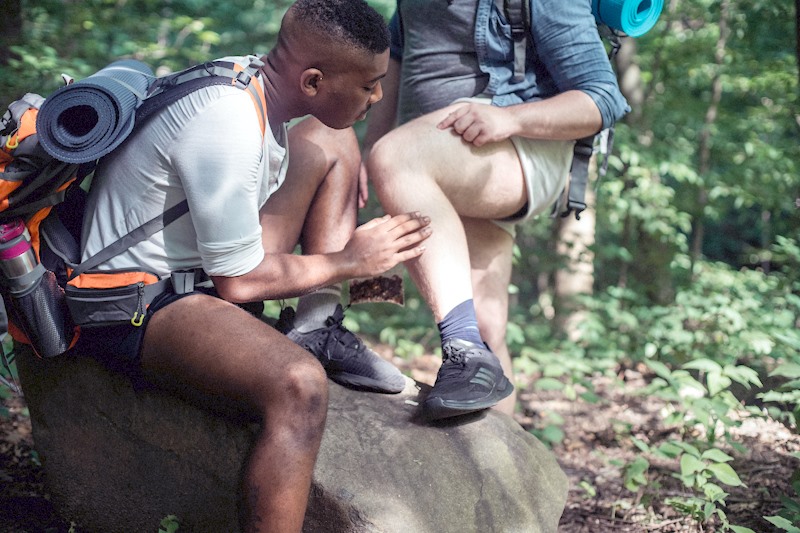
184, 281
243, 77
579, 177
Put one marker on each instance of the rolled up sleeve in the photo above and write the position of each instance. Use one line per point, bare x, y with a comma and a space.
569, 46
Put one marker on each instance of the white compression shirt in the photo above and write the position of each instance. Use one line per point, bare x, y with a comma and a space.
206, 148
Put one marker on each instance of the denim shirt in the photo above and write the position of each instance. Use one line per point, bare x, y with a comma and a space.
564, 53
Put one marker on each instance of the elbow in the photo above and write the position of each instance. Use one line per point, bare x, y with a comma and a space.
233, 289
611, 104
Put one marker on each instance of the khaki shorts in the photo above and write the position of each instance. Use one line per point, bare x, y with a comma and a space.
545, 166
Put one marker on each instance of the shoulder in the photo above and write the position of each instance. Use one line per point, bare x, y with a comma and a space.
572, 13
221, 108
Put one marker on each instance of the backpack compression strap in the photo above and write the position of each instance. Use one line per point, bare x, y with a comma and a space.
146, 230
579, 173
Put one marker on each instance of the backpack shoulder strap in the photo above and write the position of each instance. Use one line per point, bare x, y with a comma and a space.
149, 228
169, 89
518, 15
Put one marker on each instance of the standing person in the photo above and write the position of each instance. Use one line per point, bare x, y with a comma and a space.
249, 205
479, 150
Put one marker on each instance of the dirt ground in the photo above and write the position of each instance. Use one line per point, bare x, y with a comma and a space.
597, 439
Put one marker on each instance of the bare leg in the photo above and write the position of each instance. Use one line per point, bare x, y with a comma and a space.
461, 188
244, 362
418, 167
490, 257
317, 205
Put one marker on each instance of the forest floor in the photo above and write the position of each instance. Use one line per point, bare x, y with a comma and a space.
597, 440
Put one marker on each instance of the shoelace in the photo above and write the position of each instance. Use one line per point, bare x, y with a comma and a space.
452, 362
340, 334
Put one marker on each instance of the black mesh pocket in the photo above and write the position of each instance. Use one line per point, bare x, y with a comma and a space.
59, 245
41, 313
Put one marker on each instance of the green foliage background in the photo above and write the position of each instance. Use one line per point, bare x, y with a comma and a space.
697, 253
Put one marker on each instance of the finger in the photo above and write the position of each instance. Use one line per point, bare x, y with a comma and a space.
446, 123
398, 220
480, 139
410, 240
406, 223
411, 226
409, 254
363, 197
470, 133
452, 117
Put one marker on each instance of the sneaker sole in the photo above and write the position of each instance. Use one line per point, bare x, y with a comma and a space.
437, 408
355, 381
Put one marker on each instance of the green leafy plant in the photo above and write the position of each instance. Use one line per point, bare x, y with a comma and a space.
788, 518
784, 399
169, 524
549, 429
702, 473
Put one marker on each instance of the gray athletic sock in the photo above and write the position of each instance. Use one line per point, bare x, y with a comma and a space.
315, 308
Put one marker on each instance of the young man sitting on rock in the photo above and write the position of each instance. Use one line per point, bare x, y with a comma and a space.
249, 206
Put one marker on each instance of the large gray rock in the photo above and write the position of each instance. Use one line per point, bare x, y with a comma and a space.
120, 459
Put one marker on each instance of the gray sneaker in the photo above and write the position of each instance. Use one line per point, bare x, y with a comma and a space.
470, 379
344, 357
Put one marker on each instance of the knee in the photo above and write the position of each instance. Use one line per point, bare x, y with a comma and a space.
303, 397
296, 404
381, 162
340, 145
337, 145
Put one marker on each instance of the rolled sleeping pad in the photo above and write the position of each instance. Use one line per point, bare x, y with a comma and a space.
87, 119
634, 17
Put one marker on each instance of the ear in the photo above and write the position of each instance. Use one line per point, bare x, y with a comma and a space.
310, 81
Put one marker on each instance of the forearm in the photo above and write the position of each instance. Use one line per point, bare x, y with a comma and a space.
286, 276
375, 247
566, 116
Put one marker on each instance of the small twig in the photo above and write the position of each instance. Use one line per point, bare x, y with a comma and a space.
662, 525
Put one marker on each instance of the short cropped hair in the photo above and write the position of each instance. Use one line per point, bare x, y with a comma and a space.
353, 21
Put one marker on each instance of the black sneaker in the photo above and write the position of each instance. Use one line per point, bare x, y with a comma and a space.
344, 357
470, 379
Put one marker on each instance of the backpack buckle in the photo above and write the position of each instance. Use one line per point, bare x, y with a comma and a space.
574, 206
243, 78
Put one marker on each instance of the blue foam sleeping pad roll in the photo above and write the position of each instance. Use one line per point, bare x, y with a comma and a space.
87, 119
634, 17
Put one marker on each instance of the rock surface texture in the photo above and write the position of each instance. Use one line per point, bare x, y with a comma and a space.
118, 458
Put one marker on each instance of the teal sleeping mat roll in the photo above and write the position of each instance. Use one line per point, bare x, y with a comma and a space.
634, 17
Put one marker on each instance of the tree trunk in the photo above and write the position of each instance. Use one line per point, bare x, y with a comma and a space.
10, 28
10, 34
705, 134
797, 34
575, 238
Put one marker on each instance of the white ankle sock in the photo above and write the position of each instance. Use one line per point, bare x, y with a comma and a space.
314, 308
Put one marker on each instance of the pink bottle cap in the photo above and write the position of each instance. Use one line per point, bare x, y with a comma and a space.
10, 230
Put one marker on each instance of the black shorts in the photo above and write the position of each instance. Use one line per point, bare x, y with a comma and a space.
119, 347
